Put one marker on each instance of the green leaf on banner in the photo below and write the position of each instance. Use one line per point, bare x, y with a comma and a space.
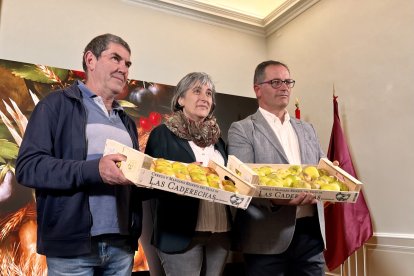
61, 73
8, 150
35, 73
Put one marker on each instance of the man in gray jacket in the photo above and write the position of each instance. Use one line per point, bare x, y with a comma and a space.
278, 236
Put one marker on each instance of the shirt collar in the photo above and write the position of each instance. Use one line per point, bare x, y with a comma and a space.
87, 93
272, 117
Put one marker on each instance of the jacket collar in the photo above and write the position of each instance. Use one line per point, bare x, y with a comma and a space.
73, 91
261, 125
184, 143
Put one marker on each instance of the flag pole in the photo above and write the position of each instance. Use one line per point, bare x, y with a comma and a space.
347, 225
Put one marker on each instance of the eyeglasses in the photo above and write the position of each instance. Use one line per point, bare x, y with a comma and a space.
276, 83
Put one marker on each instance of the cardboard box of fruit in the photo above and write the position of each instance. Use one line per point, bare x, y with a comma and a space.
213, 183
284, 181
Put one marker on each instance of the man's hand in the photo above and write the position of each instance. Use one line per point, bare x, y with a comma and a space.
109, 171
302, 199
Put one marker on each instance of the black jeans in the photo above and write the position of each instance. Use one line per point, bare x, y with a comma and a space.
304, 256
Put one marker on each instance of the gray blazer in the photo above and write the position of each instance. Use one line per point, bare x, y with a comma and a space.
263, 228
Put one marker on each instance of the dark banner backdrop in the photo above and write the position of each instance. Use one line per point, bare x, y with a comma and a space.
22, 85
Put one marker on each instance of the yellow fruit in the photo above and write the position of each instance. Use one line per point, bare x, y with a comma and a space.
212, 176
259, 173
213, 180
197, 176
195, 167
214, 184
230, 188
287, 182
301, 184
168, 170
201, 182
327, 178
265, 170
292, 179
178, 166
295, 169
317, 183
227, 182
273, 175
323, 172
182, 176
229, 185
344, 187
209, 170
194, 172
263, 180
162, 162
275, 183
311, 171
315, 186
163, 166
331, 187
283, 173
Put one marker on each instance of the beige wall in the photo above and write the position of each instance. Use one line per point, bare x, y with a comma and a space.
164, 47
364, 47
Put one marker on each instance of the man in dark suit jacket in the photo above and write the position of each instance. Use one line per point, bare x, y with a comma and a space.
278, 237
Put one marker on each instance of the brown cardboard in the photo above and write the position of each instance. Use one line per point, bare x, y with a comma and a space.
135, 159
137, 168
246, 173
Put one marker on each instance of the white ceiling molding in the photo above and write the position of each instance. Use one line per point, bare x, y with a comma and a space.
227, 19
285, 13
232, 19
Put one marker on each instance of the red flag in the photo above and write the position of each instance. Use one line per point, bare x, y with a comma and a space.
347, 225
297, 110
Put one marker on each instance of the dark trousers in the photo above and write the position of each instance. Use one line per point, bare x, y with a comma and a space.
304, 256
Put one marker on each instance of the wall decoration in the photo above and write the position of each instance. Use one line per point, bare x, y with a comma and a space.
22, 85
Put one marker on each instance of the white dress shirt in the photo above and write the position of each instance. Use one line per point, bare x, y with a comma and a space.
289, 141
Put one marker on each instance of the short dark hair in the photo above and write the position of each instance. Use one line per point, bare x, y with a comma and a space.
100, 44
259, 73
187, 83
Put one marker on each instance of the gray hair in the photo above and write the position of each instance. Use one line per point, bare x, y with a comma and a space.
187, 83
100, 44
259, 73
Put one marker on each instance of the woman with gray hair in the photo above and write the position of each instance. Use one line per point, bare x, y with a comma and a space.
191, 236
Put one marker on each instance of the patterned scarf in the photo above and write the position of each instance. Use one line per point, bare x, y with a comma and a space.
203, 134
